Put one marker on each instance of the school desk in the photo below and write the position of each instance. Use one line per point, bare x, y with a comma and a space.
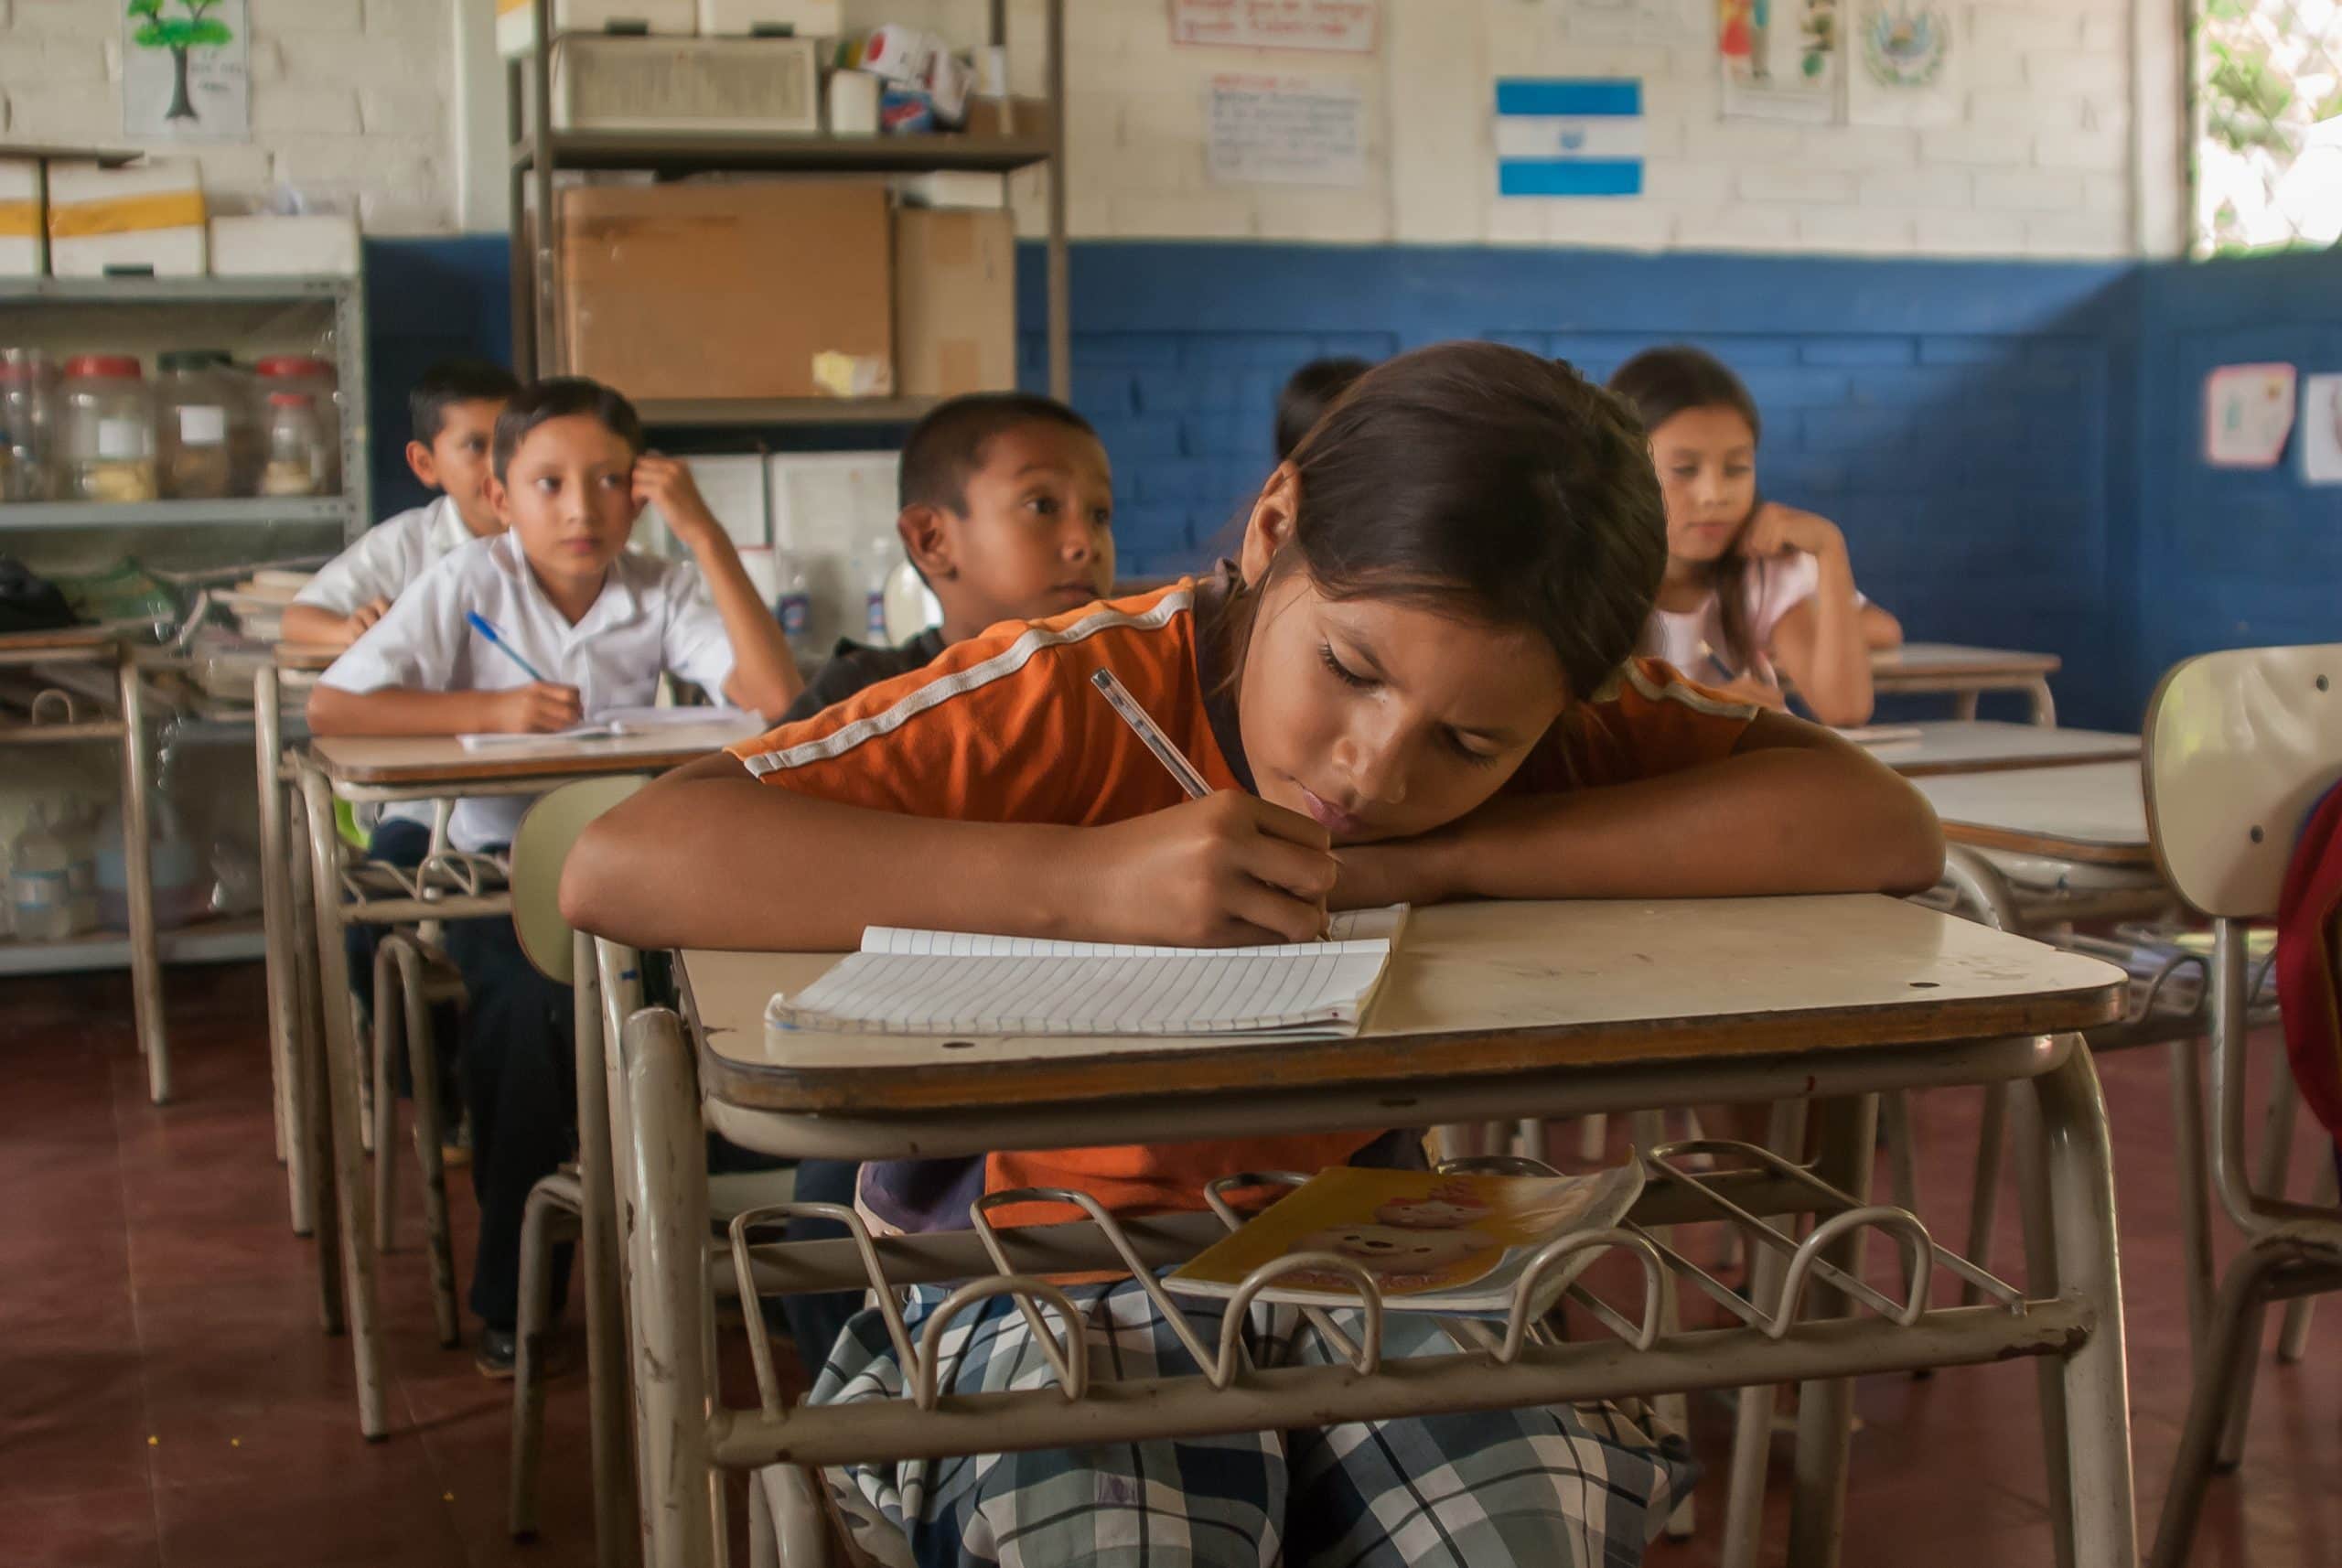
291, 667
1965, 673
111, 650
1490, 1011
378, 770
1989, 745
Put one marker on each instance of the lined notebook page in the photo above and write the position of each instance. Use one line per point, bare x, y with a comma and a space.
1322, 987
1351, 925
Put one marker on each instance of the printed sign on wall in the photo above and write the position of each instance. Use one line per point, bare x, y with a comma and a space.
1781, 59
186, 70
1285, 130
2322, 430
1338, 27
1569, 136
2248, 414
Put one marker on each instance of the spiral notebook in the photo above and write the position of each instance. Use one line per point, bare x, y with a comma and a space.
953, 982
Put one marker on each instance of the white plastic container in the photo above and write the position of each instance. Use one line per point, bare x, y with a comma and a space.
320, 244
751, 86
40, 900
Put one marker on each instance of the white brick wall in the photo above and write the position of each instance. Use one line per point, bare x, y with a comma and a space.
349, 100
2031, 155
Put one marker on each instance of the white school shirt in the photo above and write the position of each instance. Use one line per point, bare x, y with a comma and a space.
653, 617
386, 558
1771, 587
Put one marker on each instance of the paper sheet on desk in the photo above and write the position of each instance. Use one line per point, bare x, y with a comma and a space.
615, 722
948, 982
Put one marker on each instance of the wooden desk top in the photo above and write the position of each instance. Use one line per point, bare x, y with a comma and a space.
1936, 661
391, 761
2096, 812
1984, 745
1474, 989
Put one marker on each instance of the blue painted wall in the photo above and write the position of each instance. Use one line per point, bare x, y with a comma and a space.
2230, 558
2010, 446
1966, 423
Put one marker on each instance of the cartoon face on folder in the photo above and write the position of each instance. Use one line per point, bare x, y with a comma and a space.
1405, 1259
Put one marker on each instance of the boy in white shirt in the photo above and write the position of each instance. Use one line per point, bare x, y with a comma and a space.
600, 624
451, 424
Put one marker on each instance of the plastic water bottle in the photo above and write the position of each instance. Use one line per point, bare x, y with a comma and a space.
39, 897
877, 569
792, 606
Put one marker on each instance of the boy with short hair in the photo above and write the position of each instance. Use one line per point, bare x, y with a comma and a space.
583, 625
1007, 512
452, 412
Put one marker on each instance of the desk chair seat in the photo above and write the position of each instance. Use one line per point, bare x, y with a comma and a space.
2238, 746
2041, 874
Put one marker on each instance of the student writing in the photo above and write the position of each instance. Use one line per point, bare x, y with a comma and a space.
1414, 684
1753, 590
602, 624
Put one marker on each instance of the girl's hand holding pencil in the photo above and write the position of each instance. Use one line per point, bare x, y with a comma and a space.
1223, 871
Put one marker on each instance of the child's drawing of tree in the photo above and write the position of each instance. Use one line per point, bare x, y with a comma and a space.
180, 34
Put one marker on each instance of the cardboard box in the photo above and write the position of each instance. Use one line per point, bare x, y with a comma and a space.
966, 189
145, 217
267, 245
516, 20
801, 18
24, 230
898, 53
955, 301
748, 85
727, 290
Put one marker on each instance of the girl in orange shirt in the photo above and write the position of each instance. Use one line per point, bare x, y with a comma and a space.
1415, 683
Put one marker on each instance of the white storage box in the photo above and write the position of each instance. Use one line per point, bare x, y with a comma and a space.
24, 236
145, 217
958, 190
516, 20
750, 85
739, 18
734, 489
267, 245
831, 514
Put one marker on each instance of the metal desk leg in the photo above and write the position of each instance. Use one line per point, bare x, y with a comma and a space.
1826, 1408
353, 1195
280, 920
1650, 1131
2194, 1170
2098, 1406
614, 1521
2045, 706
1752, 1437
670, 1291
306, 1060
1964, 704
138, 874
2041, 1273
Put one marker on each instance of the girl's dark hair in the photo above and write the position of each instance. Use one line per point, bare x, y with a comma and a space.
1493, 484
1661, 384
559, 397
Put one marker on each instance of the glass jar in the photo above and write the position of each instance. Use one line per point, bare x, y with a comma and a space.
315, 377
27, 425
296, 448
109, 430
198, 404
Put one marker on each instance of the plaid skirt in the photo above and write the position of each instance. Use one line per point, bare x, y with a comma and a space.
1586, 1486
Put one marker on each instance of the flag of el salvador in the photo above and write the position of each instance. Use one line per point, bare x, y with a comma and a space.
1569, 136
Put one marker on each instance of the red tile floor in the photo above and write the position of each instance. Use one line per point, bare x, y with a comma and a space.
166, 1397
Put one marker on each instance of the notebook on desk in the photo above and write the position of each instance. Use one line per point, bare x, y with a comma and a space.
611, 725
952, 982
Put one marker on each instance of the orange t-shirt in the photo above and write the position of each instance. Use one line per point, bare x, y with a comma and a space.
1005, 727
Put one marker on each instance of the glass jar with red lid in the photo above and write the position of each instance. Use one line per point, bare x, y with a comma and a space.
109, 430
297, 449
306, 374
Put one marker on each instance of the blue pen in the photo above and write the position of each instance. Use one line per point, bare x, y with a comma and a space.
487, 629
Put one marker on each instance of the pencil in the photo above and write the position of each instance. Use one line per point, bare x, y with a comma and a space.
1181, 769
487, 629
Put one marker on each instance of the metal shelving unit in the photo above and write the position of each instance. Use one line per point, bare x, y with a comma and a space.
538, 151
247, 316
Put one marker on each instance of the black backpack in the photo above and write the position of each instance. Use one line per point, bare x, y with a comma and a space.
27, 602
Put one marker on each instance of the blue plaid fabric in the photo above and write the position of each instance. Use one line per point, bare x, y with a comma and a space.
1583, 1487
